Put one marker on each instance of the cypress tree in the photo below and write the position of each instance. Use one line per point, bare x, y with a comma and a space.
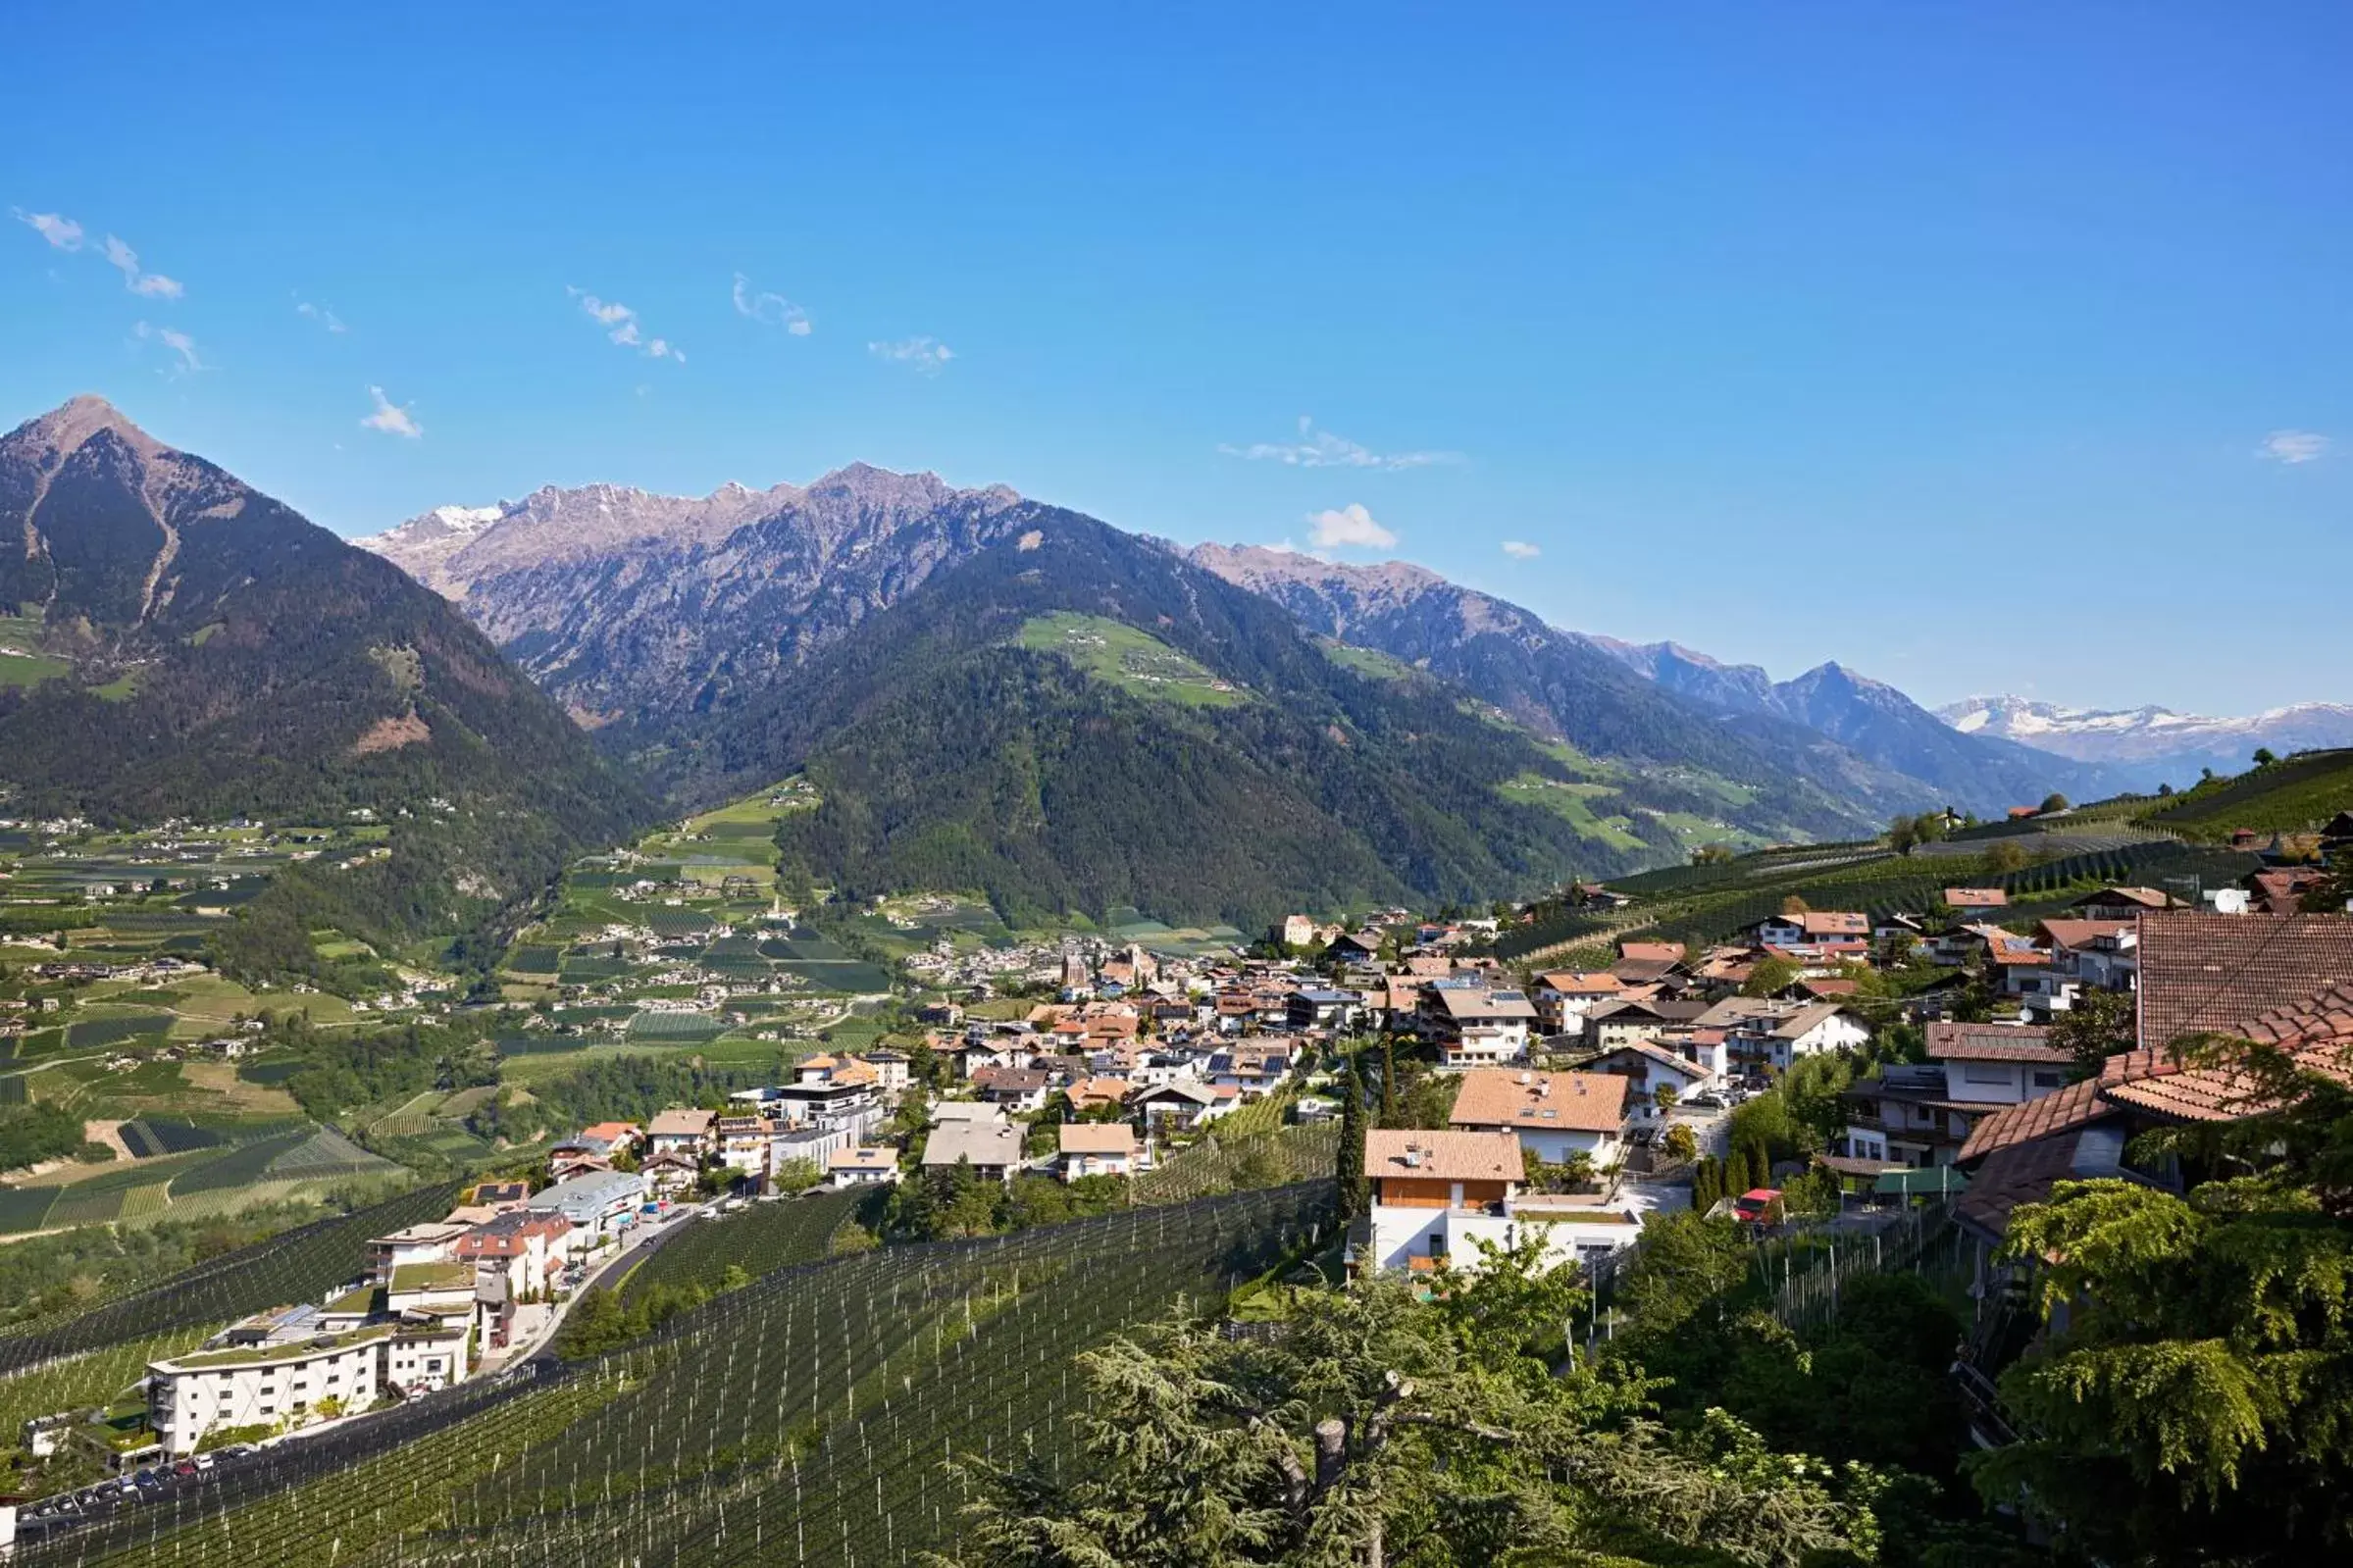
1353, 1185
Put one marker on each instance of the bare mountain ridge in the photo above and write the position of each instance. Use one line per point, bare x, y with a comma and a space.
628, 605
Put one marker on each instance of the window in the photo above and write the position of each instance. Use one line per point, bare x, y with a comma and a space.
1985, 1073
2046, 1078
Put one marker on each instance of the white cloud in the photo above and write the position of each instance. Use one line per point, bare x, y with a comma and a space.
1316, 448
125, 260
1521, 551
393, 418
322, 315
621, 324
177, 341
769, 310
2295, 446
1348, 526
927, 354
61, 231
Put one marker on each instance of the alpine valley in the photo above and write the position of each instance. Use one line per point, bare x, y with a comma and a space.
984, 692
991, 693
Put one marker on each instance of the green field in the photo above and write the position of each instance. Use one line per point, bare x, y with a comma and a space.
1365, 661
21, 663
1573, 801
1133, 661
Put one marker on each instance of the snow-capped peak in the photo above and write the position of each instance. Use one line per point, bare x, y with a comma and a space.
468, 519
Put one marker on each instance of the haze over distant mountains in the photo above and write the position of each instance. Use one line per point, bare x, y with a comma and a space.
2152, 745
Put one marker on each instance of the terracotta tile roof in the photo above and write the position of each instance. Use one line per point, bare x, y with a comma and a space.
2077, 1105
2201, 972
2024, 1173
1650, 952
1835, 922
1976, 898
1991, 1042
2161, 1084
1575, 982
2084, 932
1831, 987
1502, 1096
2281, 892
1097, 1138
1097, 1090
1453, 1156
2141, 900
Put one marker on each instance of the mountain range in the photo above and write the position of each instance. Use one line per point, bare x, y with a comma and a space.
1861, 740
2152, 745
718, 643
986, 692
212, 653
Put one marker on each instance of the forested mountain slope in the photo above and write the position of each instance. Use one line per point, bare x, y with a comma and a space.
1860, 741
219, 655
1076, 717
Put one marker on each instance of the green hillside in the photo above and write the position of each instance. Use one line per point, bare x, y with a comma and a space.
2294, 795
1090, 723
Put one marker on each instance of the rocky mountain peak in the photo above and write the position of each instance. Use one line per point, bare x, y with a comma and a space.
51, 438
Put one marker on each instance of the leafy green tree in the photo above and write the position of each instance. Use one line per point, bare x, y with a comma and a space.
1770, 976
2264, 757
2054, 802
1378, 1429
1903, 834
796, 1176
2191, 1401
1681, 1143
2100, 1025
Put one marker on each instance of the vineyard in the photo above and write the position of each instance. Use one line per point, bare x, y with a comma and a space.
297, 1266
2291, 796
1220, 1162
762, 1240
1702, 904
804, 1419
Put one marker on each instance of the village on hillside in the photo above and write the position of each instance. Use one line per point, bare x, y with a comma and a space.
1943, 1057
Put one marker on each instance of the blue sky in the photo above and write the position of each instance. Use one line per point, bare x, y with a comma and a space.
1977, 346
